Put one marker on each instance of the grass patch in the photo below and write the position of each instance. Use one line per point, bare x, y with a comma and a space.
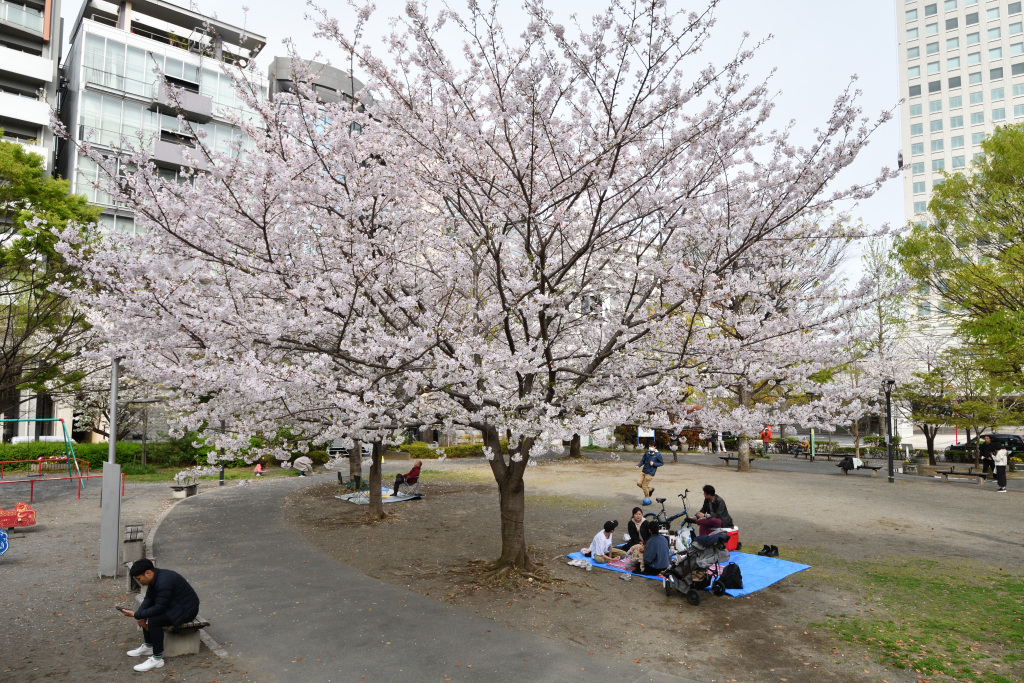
951, 618
167, 474
455, 476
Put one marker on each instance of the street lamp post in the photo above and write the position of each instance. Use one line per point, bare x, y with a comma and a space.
887, 385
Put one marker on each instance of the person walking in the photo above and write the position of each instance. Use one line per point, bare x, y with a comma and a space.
1000, 463
649, 463
169, 601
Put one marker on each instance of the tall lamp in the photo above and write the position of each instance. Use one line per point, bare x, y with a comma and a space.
887, 385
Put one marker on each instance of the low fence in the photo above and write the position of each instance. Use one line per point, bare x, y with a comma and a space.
79, 477
40, 466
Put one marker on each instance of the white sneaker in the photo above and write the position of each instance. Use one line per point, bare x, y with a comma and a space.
144, 650
150, 664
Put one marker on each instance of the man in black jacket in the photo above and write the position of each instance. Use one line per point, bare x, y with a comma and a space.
169, 601
714, 514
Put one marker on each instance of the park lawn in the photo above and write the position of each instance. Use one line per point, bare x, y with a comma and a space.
167, 474
951, 618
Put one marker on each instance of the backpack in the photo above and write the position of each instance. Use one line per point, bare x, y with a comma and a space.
731, 576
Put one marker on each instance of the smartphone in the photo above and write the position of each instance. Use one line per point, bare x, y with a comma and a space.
120, 608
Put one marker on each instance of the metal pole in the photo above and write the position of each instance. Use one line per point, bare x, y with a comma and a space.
888, 426
110, 501
112, 451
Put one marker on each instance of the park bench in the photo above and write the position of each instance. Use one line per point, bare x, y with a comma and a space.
726, 459
874, 469
954, 472
184, 638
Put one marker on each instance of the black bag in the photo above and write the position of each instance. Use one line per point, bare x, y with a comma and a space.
731, 576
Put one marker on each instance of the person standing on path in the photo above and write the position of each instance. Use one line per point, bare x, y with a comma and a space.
169, 601
649, 463
985, 451
1000, 463
766, 438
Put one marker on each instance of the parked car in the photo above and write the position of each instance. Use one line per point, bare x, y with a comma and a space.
1013, 443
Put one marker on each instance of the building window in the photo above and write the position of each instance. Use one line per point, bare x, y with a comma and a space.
912, 33
951, 24
1013, 8
934, 86
1018, 89
977, 138
931, 29
933, 68
917, 168
977, 118
917, 129
915, 109
953, 63
938, 165
977, 97
911, 14
1018, 110
956, 102
920, 187
977, 157
952, 43
1016, 49
914, 91
931, 48
956, 142
956, 122
959, 161
999, 114
994, 33
997, 94
971, 19
1017, 69
974, 78
992, 13
937, 145
1017, 28
916, 148
973, 58
954, 82
935, 126
924, 309
920, 207
973, 39
913, 52
996, 73
935, 106
914, 72
949, 5
931, 10
995, 53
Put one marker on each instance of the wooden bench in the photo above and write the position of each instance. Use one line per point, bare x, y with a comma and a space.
953, 472
874, 469
184, 638
726, 459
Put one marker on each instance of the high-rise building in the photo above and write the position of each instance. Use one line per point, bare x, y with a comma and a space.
114, 90
961, 76
30, 44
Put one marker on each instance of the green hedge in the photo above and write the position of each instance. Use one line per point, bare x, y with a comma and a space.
418, 449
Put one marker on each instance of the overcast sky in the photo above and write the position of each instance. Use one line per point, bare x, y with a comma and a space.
816, 46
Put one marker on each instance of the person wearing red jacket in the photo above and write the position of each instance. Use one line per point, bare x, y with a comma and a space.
766, 438
410, 477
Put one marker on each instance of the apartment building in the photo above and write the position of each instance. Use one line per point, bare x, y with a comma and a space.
114, 91
30, 45
961, 76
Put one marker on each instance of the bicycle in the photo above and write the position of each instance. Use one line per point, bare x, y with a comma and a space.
663, 519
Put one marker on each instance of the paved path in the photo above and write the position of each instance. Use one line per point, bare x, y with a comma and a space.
289, 612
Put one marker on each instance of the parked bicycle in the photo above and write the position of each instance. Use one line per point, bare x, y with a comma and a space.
664, 520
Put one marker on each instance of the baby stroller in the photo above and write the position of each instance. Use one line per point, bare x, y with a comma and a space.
697, 568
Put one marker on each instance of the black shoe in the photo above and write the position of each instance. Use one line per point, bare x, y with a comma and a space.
765, 551
650, 493
774, 551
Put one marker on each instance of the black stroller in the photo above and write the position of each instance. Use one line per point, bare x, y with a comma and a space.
697, 568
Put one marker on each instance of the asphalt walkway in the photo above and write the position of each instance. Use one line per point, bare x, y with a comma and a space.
288, 612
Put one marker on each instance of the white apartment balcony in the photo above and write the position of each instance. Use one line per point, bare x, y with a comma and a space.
23, 19
171, 154
28, 109
194, 107
25, 65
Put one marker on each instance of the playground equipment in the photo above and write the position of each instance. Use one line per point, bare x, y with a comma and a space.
40, 467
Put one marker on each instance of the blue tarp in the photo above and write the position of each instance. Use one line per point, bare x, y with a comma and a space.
758, 572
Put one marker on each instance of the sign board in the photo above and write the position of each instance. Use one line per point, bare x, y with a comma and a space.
645, 432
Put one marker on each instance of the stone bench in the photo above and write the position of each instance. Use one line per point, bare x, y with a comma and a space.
183, 639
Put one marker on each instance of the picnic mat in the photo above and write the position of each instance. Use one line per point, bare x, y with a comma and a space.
758, 571
363, 497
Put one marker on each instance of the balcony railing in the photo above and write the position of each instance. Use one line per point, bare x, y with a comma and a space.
28, 17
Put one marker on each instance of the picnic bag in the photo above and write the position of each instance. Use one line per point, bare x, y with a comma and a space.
731, 576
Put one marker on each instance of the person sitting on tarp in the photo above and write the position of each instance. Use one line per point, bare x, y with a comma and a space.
713, 515
410, 477
601, 547
656, 554
638, 530
851, 463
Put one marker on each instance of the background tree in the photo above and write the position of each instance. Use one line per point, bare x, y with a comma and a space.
41, 329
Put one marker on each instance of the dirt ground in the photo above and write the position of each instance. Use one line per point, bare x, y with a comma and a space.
430, 545
58, 619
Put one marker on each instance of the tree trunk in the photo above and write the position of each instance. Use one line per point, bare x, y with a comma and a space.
511, 500
376, 510
355, 463
574, 447
743, 454
929, 439
856, 438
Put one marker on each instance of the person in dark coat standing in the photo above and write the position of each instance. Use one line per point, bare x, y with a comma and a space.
169, 601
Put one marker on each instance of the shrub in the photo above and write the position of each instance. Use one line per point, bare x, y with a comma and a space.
418, 449
318, 457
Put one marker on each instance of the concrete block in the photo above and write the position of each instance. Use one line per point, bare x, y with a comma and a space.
132, 551
182, 643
